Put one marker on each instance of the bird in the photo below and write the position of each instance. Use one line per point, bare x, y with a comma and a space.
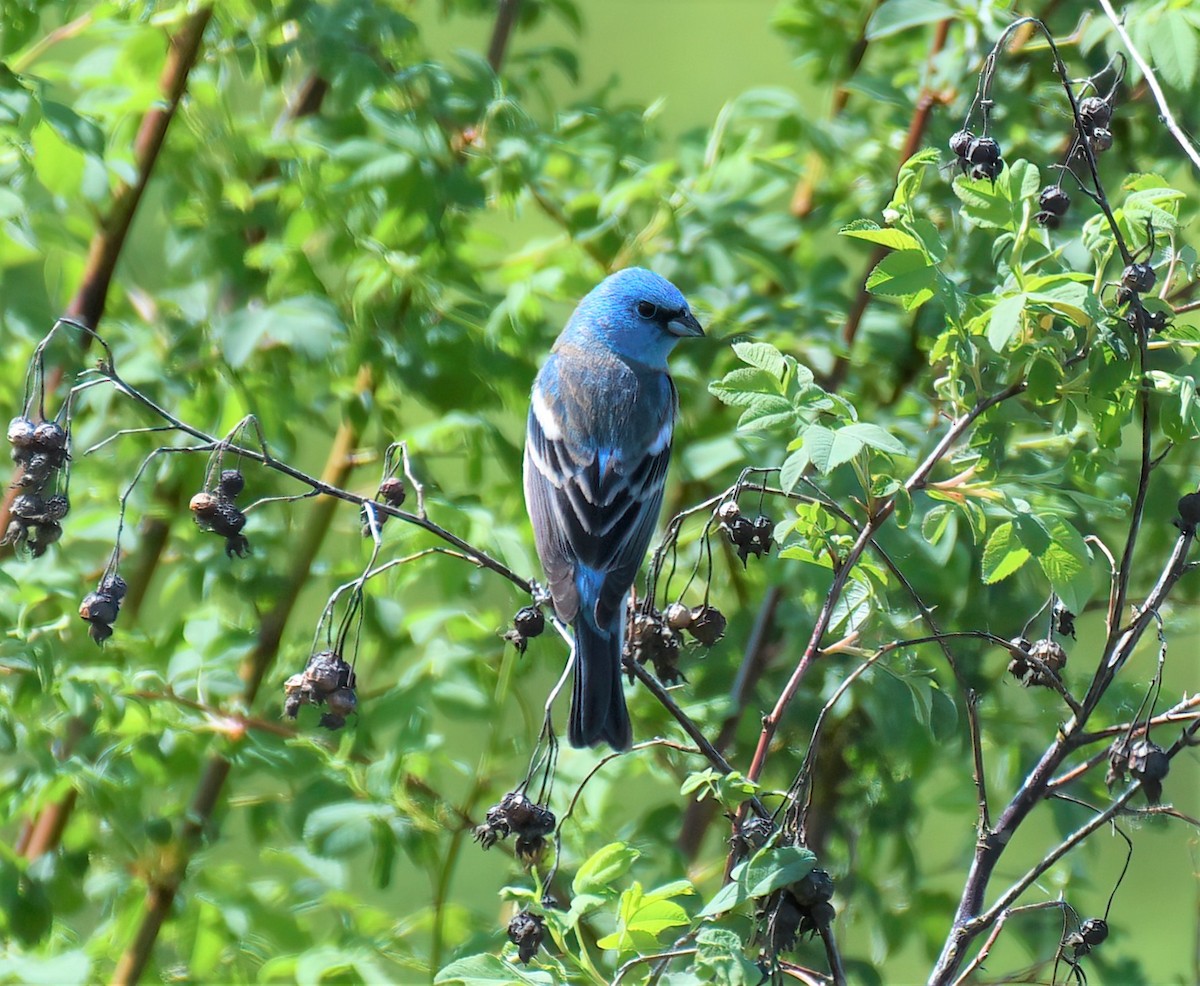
598, 442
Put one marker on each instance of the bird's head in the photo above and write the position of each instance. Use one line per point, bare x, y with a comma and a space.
635, 313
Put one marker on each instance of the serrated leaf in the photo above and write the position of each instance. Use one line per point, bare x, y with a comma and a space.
1175, 49
1003, 554
897, 239
792, 470
906, 274
764, 357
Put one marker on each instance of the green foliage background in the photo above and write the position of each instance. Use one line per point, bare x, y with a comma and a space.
394, 266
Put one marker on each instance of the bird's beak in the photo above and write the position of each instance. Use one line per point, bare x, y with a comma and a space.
685, 324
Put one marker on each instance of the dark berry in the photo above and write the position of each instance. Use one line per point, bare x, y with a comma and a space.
707, 625
28, 506
50, 437
203, 506
343, 702
960, 141
983, 151
21, 432
114, 586
57, 506
1101, 140
99, 607
231, 483
678, 616
529, 621
1053, 199
1138, 278
1093, 931
525, 931
816, 888
392, 491
1094, 112
99, 632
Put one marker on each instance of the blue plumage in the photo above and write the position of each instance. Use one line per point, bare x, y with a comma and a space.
596, 453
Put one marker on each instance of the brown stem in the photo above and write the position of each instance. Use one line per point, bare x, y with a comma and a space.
160, 894
912, 141
506, 18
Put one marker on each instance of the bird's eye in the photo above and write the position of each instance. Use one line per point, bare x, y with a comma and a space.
646, 309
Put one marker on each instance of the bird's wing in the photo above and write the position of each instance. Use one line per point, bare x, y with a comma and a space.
593, 506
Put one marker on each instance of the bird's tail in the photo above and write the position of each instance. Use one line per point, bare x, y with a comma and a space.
597, 703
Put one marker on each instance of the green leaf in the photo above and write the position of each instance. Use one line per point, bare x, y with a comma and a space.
598, 873
764, 357
906, 274
488, 970
792, 470
899, 15
307, 324
1066, 562
1003, 554
741, 387
766, 411
897, 239
1005, 321
768, 870
1175, 49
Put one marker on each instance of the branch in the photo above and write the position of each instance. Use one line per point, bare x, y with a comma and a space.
1160, 98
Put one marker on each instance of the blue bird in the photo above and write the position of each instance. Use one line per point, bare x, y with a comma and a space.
596, 451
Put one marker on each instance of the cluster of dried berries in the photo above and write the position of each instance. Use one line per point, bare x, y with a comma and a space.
526, 932
1039, 663
517, 815
1053, 203
529, 622
1095, 114
651, 639
101, 608
392, 492
749, 537
40, 449
791, 912
978, 157
327, 679
705, 623
750, 836
1144, 759
1064, 619
216, 512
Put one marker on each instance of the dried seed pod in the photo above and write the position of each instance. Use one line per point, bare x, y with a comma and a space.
1149, 763
1094, 112
114, 586
16, 534
99, 632
37, 471
1189, 510
343, 702
20, 433
49, 437
1101, 140
392, 491
816, 888
231, 483
526, 931
1029, 673
57, 506
203, 506
529, 621
707, 625
1093, 931
296, 693
679, 617
983, 150
1064, 619
42, 535
529, 851
750, 836
1054, 200
227, 520
1138, 278
728, 511
28, 506
99, 607
327, 672
960, 141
